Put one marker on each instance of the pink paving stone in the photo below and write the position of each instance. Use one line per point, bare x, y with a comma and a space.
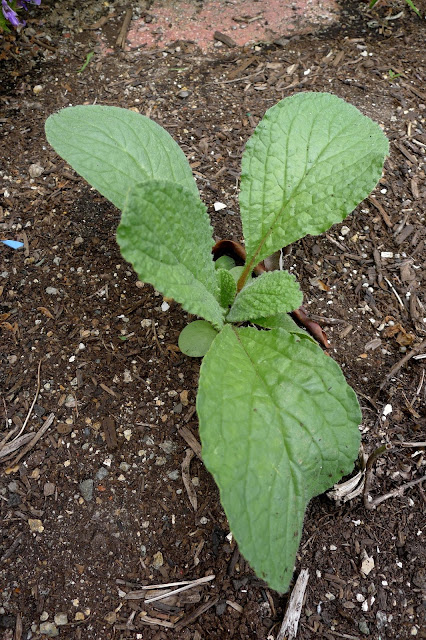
172, 20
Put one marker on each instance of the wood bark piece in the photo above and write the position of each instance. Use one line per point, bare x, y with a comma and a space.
121, 39
108, 425
222, 37
290, 623
191, 440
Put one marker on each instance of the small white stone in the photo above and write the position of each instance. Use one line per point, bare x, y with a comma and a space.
387, 409
218, 206
165, 306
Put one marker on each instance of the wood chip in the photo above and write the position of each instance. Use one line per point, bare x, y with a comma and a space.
191, 440
108, 425
186, 478
222, 37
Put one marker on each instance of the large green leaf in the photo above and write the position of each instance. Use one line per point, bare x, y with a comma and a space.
278, 425
165, 234
269, 294
114, 149
311, 160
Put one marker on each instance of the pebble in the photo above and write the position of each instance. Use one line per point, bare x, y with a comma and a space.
61, 619
36, 526
173, 475
52, 291
44, 616
157, 560
48, 489
79, 616
363, 627
49, 629
102, 473
124, 466
86, 489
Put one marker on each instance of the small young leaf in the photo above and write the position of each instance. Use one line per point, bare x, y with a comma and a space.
278, 425
283, 321
224, 262
195, 339
271, 293
227, 286
115, 149
311, 160
165, 234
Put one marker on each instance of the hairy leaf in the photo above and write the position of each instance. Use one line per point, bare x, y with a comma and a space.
311, 160
227, 286
283, 321
278, 426
195, 339
166, 235
114, 149
269, 294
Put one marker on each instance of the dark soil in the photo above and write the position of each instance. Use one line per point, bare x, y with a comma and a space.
119, 389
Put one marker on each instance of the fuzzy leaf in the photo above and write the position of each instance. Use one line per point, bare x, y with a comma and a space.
195, 339
165, 234
284, 321
227, 286
311, 160
114, 149
269, 294
278, 425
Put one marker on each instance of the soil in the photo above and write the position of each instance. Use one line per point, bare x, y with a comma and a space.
96, 507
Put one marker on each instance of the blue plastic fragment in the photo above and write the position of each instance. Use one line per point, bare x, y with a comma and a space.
14, 244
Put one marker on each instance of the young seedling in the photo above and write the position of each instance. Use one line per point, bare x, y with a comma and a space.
278, 422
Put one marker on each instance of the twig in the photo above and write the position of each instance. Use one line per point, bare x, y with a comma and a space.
33, 402
395, 292
368, 473
186, 478
382, 212
139, 593
292, 615
185, 588
34, 440
121, 39
7, 449
195, 614
401, 363
396, 492
413, 444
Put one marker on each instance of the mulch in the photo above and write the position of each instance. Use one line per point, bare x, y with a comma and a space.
93, 501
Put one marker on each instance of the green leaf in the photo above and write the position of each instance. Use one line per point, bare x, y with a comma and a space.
269, 294
311, 160
283, 321
224, 262
195, 339
278, 425
227, 287
165, 234
114, 149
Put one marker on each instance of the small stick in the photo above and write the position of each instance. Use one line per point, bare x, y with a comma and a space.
292, 615
382, 212
368, 472
395, 292
121, 39
150, 587
395, 492
32, 405
401, 363
185, 588
195, 614
35, 439
413, 444
186, 478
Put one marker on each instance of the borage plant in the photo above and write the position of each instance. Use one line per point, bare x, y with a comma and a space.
278, 422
